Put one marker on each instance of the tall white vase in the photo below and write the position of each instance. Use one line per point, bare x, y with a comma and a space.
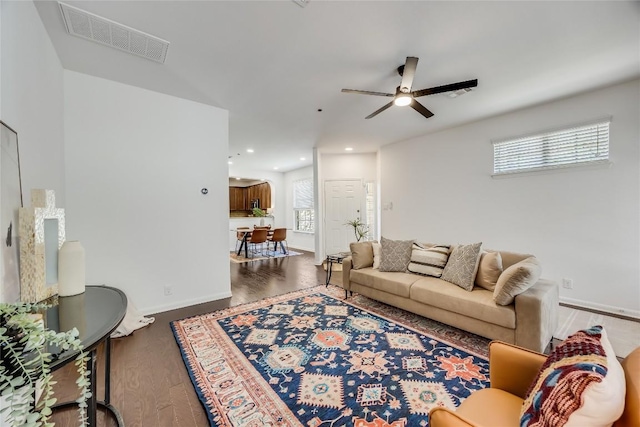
71, 269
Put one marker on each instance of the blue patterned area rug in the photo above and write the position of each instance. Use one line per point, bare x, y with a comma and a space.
309, 358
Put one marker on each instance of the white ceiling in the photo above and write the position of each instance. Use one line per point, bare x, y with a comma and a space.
273, 64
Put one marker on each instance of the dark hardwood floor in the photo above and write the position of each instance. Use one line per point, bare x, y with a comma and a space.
149, 382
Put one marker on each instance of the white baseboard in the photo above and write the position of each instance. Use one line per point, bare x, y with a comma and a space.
601, 307
184, 303
303, 249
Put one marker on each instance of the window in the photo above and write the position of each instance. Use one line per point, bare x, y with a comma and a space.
370, 208
303, 213
577, 145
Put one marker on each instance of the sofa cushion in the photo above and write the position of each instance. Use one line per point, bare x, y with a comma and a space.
581, 384
516, 279
489, 270
395, 254
477, 303
361, 255
428, 261
393, 283
462, 266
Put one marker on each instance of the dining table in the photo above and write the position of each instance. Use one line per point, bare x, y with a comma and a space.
246, 236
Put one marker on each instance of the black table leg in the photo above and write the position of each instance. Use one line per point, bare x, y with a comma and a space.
107, 385
92, 402
329, 271
107, 372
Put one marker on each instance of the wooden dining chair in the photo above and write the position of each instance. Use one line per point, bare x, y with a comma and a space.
279, 235
258, 237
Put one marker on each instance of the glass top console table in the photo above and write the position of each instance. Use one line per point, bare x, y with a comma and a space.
96, 313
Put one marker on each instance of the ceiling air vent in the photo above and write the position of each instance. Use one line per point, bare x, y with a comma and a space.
104, 31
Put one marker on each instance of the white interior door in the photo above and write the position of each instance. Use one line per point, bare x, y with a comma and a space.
343, 202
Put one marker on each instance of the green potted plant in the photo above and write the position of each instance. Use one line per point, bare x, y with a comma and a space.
259, 212
25, 365
360, 229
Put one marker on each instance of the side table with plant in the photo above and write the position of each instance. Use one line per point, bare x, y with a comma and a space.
25, 365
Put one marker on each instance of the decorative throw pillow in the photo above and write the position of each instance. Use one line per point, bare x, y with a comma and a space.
395, 254
489, 270
377, 247
361, 255
516, 279
581, 384
429, 261
462, 265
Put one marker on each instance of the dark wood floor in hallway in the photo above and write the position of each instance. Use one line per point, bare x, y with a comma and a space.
149, 383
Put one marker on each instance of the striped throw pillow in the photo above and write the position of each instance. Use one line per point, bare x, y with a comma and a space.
429, 261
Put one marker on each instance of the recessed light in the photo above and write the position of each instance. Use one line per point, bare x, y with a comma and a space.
237, 179
302, 158
275, 168
249, 150
230, 162
348, 149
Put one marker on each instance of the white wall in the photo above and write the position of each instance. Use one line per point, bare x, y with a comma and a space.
582, 223
349, 166
135, 163
31, 101
32, 98
332, 167
295, 239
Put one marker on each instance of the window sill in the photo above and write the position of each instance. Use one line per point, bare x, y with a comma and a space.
601, 164
304, 232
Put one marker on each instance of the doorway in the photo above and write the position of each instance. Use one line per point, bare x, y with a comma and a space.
343, 202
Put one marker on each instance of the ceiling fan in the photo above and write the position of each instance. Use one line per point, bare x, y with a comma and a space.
404, 96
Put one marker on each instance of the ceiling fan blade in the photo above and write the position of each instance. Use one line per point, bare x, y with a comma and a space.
420, 109
380, 110
408, 74
366, 92
446, 88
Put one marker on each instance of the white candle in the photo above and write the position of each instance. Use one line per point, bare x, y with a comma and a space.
71, 269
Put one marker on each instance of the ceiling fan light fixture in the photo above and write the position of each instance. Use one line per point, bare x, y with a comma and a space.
402, 100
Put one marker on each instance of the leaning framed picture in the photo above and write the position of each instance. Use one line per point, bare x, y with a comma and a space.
10, 203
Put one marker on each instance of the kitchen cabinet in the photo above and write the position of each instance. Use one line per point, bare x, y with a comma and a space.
240, 197
237, 199
262, 192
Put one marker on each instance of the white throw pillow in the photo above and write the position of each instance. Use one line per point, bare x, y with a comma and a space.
377, 247
581, 384
603, 402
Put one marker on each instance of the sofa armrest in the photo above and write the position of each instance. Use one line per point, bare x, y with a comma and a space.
346, 273
513, 368
439, 417
537, 315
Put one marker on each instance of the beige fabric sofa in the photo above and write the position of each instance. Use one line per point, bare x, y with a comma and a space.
529, 322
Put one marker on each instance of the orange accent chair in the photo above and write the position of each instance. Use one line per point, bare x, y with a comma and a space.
512, 369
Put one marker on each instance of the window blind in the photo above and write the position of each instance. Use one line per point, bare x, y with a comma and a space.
566, 147
303, 194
